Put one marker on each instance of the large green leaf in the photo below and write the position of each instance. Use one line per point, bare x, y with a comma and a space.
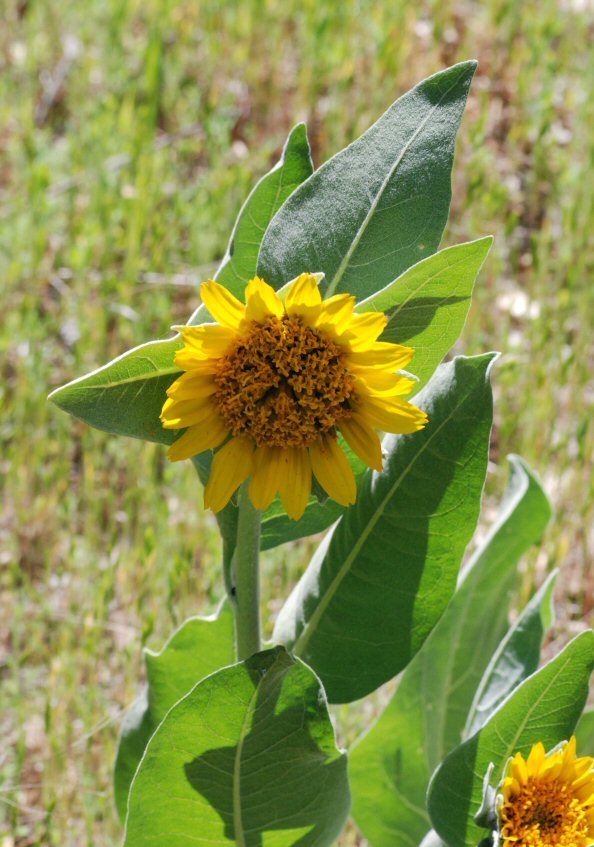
381, 204
125, 396
429, 302
391, 766
546, 708
515, 659
248, 757
198, 648
381, 579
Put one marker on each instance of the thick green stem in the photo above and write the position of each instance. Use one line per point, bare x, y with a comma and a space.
247, 577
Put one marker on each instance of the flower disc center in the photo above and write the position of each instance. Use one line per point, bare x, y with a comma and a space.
544, 814
283, 384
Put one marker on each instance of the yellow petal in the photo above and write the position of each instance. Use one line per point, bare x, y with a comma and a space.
188, 360
197, 439
295, 481
382, 355
262, 301
395, 416
363, 440
518, 770
222, 305
192, 386
207, 341
511, 787
376, 381
536, 759
304, 298
335, 314
230, 467
333, 471
178, 414
264, 483
364, 330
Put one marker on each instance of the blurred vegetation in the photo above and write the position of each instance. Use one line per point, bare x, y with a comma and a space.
130, 132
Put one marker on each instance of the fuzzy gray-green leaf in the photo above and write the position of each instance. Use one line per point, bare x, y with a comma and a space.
391, 766
247, 757
198, 648
381, 204
381, 579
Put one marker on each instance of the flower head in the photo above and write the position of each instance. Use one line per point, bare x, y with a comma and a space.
275, 382
548, 801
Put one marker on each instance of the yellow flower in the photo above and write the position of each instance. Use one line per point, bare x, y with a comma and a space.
548, 801
282, 379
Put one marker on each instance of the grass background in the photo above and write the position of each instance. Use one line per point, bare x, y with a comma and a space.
130, 133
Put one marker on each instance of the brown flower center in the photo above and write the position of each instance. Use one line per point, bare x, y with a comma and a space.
283, 384
544, 814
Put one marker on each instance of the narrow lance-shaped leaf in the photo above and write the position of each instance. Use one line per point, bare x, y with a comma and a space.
381, 204
546, 708
125, 396
198, 648
391, 766
382, 578
239, 263
515, 659
248, 757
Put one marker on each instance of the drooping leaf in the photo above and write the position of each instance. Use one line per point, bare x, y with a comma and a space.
381, 204
391, 766
428, 304
198, 648
546, 708
382, 578
125, 396
515, 659
584, 732
248, 757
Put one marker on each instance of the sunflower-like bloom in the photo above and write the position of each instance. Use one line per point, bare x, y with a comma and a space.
548, 801
282, 379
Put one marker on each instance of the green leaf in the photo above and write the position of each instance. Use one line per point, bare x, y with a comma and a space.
381, 204
584, 732
198, 648
429, 302
248, 757
239, 263
546, 708
382, 578
515, 659
125, 396
278, 528
391, 766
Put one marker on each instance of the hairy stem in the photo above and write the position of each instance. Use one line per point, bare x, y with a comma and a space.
247, 577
